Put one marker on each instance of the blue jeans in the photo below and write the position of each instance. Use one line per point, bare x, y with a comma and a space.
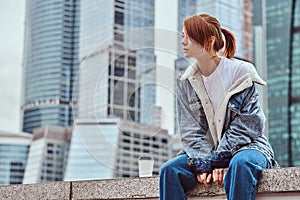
240, 180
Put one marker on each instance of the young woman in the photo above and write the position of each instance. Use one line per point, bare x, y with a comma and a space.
221, 122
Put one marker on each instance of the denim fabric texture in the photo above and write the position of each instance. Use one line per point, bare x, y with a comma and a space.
176, 178
243, 174
241, 179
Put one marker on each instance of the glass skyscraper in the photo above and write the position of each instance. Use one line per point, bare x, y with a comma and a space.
50, 62
283, 58
260, 50
117, 72
116, 84
14, 149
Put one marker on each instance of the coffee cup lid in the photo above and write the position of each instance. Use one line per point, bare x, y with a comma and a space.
145, 158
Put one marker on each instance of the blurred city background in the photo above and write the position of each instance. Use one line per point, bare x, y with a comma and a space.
88, 86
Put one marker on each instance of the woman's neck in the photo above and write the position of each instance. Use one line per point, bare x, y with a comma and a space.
208, 66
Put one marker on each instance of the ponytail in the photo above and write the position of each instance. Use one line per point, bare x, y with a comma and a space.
230, 46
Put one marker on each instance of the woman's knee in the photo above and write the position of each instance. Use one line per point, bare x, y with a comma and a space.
177, 172
248, 158
238, 161
174, 164
165, 167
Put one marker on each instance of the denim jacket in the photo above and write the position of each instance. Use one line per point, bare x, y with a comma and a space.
210, 138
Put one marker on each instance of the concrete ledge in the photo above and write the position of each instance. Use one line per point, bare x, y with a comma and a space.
280, 180
275, 184
54, 190
284, 180
127, 188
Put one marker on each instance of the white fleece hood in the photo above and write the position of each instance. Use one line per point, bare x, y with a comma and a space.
192, 69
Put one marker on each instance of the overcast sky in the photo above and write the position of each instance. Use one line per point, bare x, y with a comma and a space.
12, 14
12, 17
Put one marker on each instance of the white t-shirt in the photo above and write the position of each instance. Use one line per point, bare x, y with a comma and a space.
227, 72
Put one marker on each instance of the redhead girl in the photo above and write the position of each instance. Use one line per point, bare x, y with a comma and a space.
221, 122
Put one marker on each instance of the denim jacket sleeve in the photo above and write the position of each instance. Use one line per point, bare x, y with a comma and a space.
247, 124
192, 126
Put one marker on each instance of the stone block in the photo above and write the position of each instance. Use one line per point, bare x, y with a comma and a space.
128, 188
280, 180
42, 191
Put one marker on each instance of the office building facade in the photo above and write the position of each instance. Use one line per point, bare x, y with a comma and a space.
116, 85
14, 148
110, 148
48, 154
259, 29
283, 58
50, 62
117, 60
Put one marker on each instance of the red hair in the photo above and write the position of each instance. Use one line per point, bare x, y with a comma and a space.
202, 27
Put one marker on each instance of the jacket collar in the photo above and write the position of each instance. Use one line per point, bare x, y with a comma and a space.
193, 69
190, 71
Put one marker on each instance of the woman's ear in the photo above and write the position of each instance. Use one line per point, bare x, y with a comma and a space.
210, 43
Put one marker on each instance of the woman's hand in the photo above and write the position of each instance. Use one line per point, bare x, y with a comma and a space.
204, 178
218, 177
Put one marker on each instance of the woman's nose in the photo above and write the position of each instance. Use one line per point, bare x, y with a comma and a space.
183, 41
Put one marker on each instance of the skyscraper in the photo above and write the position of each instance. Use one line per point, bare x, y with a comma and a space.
116, 84
283, 58
117, 62
260, 50
50, 62
14, 149
48, 154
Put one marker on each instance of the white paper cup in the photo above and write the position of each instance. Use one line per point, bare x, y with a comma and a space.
145, 166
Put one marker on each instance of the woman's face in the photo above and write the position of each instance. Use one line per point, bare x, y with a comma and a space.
190, 47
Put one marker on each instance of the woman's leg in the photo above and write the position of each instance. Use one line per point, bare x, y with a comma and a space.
176, 179
243, 174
